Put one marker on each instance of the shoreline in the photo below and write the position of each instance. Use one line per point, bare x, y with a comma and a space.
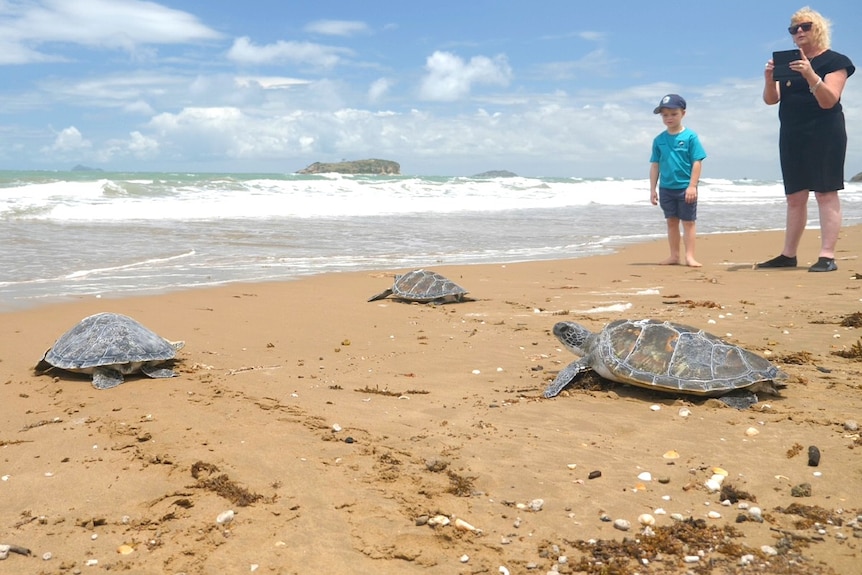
21, 305
443, 410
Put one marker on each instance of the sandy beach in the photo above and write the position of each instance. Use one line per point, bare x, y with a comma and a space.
338, 430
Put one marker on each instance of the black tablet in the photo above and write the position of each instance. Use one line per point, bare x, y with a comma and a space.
782, 60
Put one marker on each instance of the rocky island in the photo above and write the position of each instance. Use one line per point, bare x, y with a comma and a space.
496, 174
372, 166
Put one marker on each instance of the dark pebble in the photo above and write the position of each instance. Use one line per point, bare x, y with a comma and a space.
813, 456
594, 474
348, 440
801, 490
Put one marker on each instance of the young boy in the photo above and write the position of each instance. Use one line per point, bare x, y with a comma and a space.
675, 167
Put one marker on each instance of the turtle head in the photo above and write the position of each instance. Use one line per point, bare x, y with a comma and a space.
572, 335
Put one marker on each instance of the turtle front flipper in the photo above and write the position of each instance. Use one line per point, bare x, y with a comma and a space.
106, 378
565, 377
381, 295
157, 372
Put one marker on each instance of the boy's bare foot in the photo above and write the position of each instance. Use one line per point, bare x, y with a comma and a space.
693, 263
671, 261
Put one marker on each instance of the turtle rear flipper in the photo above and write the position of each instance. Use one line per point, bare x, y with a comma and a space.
565, 377
740, 399
156, 372
43, 366
381, 295
105, 378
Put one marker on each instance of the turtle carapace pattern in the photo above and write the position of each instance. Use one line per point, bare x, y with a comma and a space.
664, 356
423, 286
108, 346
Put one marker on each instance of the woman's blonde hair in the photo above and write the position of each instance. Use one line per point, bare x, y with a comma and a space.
820, 32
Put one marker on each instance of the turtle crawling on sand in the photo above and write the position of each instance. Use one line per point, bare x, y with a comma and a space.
666, 356
108, 346
423, 286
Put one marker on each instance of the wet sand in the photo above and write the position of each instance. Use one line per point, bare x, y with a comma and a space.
335, 428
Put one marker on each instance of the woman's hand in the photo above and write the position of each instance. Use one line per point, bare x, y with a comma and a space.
803, 66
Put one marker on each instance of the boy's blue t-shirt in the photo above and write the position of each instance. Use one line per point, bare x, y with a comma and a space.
675, 154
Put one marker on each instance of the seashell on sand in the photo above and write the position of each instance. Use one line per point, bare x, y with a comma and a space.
438, 520
461, 524
646, 519
225, 517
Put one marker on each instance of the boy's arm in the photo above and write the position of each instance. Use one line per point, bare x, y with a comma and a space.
691, 190
696, 168
653, 183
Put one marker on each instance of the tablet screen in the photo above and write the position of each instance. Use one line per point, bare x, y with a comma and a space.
782, 62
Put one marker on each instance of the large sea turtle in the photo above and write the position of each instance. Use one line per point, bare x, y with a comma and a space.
423, 286
665, 356
109, 345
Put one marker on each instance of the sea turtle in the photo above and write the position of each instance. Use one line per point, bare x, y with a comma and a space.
109, 345
666, 356
423, 286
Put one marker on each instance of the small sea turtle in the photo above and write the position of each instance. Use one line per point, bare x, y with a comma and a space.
423, 286
665, 356
109, 345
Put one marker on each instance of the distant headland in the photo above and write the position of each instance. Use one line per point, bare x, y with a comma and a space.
496, 174
374, 167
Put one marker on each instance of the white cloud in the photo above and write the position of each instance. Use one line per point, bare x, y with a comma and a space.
124, 24
139, 107
269, 82
244, 51
378, 89
450, 78
142, 146
337, 27
13, 52
69, 140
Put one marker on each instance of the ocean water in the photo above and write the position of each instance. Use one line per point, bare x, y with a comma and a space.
74, 234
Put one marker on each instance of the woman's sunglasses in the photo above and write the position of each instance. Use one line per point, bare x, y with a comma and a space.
805, 26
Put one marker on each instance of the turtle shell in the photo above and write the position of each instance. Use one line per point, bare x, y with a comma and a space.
108, 339
426, 286
675, 357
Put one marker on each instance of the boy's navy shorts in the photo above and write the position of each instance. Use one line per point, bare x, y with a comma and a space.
673, 205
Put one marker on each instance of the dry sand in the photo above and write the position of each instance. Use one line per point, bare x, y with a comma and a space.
440, 413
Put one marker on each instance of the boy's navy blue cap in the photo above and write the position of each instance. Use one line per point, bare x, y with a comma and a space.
670, 101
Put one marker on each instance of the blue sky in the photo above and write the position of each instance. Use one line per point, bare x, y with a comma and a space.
540, 88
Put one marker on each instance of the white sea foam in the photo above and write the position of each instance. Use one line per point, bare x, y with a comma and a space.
70, 233
138, 199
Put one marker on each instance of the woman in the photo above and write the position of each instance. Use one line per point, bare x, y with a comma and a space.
812, 140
